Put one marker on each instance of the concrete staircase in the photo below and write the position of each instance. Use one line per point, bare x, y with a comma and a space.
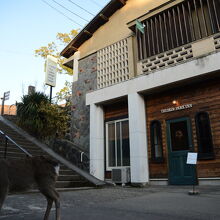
68, 178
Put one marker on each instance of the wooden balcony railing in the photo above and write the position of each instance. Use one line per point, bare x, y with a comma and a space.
179, 25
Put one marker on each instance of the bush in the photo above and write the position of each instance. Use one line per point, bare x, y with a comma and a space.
41, 119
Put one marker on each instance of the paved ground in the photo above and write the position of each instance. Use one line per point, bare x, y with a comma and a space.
117, 203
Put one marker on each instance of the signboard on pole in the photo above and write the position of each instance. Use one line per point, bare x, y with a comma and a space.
192, 158
51, 71
7, 95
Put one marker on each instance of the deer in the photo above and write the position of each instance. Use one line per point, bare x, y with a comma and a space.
19, 175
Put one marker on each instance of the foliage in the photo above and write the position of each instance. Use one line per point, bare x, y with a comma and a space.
40, 118
27, 108
53, 50
65, 38
65, 92
54, 118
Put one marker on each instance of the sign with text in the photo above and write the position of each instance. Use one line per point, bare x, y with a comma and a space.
6, 95
51, 71
177, 108
192, 158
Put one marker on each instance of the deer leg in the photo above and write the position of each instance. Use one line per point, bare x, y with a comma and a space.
52, 196
3, 194
57, 204
49, 206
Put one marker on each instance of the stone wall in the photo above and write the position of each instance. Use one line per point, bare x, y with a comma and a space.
87, 81
71, 152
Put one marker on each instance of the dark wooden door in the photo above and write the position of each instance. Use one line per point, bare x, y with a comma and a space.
179, 141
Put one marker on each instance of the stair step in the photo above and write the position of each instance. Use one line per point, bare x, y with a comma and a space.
13, 154
69, 177
14, 148
12, 157
25, 143
66, 172
67, 184
63, 167
31, 151
11, 149
17, 138
26, 146
16, 154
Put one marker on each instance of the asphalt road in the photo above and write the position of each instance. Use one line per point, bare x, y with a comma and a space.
153, 203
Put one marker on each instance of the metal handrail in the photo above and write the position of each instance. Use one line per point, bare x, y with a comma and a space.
7, 138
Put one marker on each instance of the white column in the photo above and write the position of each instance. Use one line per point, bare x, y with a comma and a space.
97, 141
76, 66
138, 139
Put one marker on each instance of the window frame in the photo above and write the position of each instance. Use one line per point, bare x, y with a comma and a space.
201, 155
109, 168
153, 156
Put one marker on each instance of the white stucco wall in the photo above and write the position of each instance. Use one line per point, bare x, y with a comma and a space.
191, 69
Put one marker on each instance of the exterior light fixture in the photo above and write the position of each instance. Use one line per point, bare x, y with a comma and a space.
175, 102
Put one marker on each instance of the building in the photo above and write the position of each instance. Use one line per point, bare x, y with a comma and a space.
146, 90
9, 109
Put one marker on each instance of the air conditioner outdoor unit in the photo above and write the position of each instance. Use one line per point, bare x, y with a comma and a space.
121, 175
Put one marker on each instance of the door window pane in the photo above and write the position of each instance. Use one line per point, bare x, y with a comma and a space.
111, 145
125, 143
179, 136
118, 142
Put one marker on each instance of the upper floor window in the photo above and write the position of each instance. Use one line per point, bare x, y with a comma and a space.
204, 136
181, 24
156, 141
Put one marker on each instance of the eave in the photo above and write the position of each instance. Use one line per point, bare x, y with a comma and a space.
87, 32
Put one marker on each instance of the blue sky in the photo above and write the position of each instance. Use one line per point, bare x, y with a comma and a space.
26, 25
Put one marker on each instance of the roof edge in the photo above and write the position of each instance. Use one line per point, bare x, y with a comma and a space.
87, 32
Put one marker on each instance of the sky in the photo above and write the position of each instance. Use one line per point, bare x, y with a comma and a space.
26, 25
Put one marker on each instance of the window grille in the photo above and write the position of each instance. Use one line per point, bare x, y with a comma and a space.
112, 66
186, 22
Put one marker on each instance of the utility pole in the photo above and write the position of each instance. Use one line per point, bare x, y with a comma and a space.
5, 97
51, 89
3, 103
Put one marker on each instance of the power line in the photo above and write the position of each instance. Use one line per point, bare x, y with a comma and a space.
16, 52
81, 7
62, 13
70, 11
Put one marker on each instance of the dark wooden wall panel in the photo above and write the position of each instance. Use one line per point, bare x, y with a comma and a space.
116, 110
204, 96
